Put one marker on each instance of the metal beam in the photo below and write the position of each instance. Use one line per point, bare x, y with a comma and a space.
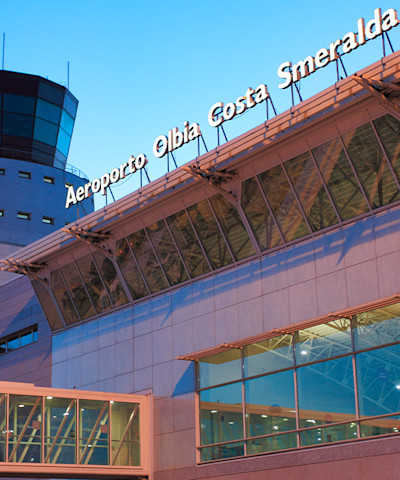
90, 238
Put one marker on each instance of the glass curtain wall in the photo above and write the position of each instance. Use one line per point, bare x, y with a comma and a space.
333, 382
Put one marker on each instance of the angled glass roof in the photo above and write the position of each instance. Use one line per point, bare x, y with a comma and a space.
318, 189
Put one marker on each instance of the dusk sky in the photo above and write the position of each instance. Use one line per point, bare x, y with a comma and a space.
139, 68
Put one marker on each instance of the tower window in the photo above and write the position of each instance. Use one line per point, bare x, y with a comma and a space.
1, 213
48, 179
48, 220
24, 215
2, 171
24, 174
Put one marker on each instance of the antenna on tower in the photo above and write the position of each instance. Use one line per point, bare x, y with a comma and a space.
4, 47
68, 74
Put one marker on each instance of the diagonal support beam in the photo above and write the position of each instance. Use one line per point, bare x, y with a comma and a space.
23, 268
382, 91
90, 238
213, 178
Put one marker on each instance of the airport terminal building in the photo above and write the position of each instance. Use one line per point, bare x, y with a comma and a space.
250, 300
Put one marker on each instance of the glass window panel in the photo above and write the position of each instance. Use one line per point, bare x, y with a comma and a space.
19, 104
17, 125
260, 219
378, 381
271, 444
13, 343
125, 442
188, 245
60, 430
221, 416
93, 432
371, 166
233, 227
340, 179
283, 203
220, 368
210, 234
388, 129
268, 355
25, 339
45, 132
380, 426
147, 261
78, 292
167, 254
270, 404
111, 279
70, 104
25, 421
228, 450
47, 304
326, 392
3, 403
63, 299
323, 341
335, 433
63, 142
67, 122
51, 93
311, 192
48, 111
94, 285
130, 270
377, 327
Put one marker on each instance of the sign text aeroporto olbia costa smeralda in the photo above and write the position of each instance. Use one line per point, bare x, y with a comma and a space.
219, 113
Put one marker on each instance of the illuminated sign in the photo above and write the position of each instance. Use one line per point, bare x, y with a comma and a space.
175, 139
375, 27
230, 110
100, 184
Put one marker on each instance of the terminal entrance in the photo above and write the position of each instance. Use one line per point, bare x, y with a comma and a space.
56, 433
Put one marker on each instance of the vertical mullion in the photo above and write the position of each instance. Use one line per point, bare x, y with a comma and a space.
177, 249
354, 171
122, 279
84, 286
384, 153
7, 426
198, 240
354, 365
101, 278
324, 184
243, 403
296, 397
248, 228
109, 435
137, 266
157, 258
78, 430
296, 197
221, 231
270, 209
42, 431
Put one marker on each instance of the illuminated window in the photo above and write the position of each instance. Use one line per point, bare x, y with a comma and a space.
48, 180
24, 174
24, 215
2, 171
48, 220
1, 213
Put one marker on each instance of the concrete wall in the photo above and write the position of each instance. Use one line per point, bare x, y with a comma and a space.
19, 308
134, 350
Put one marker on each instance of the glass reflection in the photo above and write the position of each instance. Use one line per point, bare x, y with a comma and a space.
229, 450
283, 203
268, 355
335, 433
323, 341
111, 279
166, 251
125, 441
129, 270
270, 444
233, 227
78, 292
147, 261
210, 234
63, 299
220, 368
260, 219
377, 327
340, 179
188, 245
378, 381
221, 414
370, 164
388, 129
94, 285
326, 392
311, 192
380, 426
93, 432
47, 304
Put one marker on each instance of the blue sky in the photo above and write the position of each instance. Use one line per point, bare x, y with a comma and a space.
139, 68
